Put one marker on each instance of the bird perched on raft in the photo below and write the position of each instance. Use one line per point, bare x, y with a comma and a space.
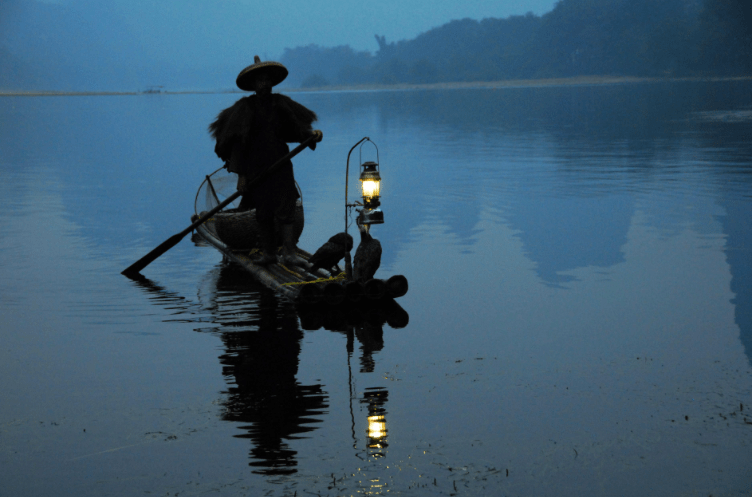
367, 257
330, 253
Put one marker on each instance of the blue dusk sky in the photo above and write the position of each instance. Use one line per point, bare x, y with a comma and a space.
268, 27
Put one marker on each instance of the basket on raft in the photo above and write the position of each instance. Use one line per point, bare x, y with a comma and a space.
240, 230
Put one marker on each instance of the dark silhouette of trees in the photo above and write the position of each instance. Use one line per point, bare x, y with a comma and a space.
578, 37
314, 66
614, 37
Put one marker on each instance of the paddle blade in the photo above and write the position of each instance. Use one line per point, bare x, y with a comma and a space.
134, 269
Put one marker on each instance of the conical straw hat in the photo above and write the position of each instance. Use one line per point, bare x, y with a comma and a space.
247, 77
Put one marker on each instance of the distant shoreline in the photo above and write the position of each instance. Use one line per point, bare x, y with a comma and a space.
522, 83
516, 83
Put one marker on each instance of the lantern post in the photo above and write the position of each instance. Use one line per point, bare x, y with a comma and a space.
370, 187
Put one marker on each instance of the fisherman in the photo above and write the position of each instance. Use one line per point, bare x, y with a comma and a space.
252, 135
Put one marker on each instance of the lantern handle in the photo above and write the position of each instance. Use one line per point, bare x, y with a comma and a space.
360, 151
347, 173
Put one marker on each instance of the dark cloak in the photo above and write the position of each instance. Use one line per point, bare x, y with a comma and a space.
252, 135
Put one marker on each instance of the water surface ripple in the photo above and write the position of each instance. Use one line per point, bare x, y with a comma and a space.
579, 319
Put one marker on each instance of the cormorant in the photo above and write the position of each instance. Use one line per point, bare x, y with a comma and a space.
330, 253
367, 257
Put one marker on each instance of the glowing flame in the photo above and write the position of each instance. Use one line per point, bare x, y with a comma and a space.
376, 427
371, 188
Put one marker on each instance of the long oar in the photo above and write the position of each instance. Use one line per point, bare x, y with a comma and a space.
134, 269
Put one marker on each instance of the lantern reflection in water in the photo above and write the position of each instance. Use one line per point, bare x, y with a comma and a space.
376, 427
377, 432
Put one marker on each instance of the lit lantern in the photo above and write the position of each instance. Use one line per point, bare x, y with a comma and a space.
370, 188
370, 185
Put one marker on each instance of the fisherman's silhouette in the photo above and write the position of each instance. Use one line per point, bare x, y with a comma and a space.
251, 136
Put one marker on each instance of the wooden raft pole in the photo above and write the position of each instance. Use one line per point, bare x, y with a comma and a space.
303, 287
259, 272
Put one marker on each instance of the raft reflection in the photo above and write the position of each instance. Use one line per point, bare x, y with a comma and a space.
261, 337
366, 323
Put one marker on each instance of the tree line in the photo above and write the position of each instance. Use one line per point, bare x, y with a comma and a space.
578, 37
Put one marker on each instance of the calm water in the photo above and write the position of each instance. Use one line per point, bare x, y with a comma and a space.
580, 305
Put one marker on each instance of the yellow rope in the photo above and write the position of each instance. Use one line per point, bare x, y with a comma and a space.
289, 270
339, 277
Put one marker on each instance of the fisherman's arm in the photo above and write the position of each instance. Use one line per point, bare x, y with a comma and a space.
297, 121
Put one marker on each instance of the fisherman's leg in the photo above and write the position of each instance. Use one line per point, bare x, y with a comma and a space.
289, 247
266, 237
267, 245
286, 221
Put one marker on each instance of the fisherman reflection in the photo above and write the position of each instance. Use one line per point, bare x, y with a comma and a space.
261, 359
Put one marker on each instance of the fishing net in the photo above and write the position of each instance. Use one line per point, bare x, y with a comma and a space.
216, 187
238, 229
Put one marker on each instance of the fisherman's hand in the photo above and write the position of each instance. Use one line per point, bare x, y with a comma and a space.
319, 136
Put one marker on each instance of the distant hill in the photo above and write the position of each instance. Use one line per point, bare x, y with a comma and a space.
578, 37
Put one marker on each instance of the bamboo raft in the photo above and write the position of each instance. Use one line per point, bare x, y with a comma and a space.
297, 284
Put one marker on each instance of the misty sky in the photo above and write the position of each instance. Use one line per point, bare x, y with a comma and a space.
268, 27
189, 44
